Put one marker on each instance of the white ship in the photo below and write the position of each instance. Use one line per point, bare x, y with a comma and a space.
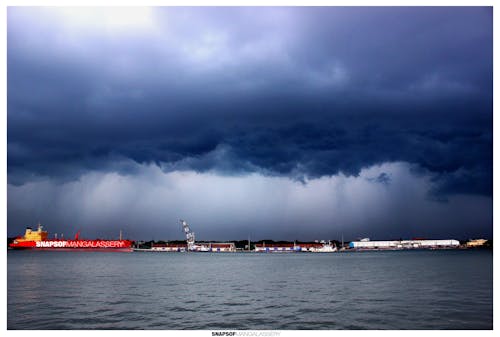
326, 248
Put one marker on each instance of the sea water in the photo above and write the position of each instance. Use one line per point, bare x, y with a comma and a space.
367, 290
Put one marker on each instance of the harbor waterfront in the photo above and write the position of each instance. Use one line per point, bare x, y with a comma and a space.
39, 240
407, 289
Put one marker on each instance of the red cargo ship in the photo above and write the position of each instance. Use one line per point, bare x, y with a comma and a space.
38, 240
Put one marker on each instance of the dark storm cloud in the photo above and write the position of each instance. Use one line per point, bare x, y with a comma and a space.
295, 92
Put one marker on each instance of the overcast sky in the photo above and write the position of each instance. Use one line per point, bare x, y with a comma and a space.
274, 123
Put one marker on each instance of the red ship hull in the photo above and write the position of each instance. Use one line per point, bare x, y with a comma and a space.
68, 245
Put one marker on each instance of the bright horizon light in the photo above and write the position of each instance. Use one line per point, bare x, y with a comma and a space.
109, 18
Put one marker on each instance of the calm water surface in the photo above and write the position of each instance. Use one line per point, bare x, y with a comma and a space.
369, 290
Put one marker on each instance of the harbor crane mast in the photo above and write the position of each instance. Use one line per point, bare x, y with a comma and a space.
189, 235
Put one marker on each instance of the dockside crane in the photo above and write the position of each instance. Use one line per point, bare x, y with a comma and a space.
189, 235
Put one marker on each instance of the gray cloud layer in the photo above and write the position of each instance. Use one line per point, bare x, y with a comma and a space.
386, 201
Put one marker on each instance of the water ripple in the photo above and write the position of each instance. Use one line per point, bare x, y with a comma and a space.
405, 290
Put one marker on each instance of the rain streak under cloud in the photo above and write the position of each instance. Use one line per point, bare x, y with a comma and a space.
278, 123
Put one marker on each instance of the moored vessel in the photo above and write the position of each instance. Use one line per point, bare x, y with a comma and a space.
39, 240
326, 248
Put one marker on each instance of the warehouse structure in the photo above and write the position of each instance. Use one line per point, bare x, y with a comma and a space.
404, 244
288, 247
476, 243
218, 246
169, 247
199, 246
274, 247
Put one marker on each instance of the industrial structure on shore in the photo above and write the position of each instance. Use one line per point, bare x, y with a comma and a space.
476, 243
200, 247
366, 244
39, 240
316, 247
313, 247
190, 245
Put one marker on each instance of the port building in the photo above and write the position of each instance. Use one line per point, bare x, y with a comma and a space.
218, 246
309, 247
200, 246
404, 244
476, 243
169, 247
274, 247
288, 247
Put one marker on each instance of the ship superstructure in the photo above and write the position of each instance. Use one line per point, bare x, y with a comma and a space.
31, 235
